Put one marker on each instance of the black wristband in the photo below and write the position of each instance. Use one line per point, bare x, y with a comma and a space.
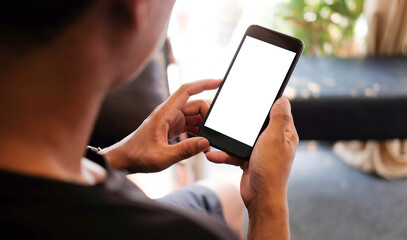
92, 154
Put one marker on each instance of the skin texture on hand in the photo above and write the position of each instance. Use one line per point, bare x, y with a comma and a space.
265, 177
147, 149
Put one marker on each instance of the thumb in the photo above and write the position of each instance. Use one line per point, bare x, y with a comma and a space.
280, 116
189, 147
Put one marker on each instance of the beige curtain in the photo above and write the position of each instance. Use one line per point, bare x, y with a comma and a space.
387, 36
387, 21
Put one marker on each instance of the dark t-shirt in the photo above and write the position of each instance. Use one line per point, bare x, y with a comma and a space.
37, 208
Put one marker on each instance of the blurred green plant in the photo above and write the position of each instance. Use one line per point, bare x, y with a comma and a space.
327, 27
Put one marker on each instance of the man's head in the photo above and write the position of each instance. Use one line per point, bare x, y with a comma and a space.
131, 28
58, 62
58, 58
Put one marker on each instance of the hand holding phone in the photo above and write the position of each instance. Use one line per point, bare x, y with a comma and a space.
263, 186
255, 79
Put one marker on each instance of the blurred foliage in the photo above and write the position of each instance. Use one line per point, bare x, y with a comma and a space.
326, 26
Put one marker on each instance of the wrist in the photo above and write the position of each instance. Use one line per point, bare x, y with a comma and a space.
268, 218
114, 157
268, 204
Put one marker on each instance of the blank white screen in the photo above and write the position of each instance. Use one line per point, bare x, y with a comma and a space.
249, 90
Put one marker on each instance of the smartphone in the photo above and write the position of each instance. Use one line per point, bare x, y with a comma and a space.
256, 78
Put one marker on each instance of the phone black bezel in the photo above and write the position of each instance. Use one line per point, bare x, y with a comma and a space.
225, 143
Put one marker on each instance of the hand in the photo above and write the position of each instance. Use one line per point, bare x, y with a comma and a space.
147, 149
264, 181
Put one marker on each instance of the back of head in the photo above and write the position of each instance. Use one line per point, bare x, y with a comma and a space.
25, 23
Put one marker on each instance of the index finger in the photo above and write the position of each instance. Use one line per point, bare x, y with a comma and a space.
181, 96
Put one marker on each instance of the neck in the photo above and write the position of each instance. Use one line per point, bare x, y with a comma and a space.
49, 100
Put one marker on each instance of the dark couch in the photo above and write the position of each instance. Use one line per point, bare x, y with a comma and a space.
125, 108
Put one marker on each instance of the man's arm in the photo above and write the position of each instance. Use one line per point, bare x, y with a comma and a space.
265, 177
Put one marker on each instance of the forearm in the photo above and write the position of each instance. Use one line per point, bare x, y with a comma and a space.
269, 219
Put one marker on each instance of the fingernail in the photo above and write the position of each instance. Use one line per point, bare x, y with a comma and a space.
203, 144
283, 101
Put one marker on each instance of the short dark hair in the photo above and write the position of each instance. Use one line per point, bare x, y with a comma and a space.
37, 21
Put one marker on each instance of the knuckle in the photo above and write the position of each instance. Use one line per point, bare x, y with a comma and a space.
202, 102
272, 138
276, 139
296, 139
184, 87
187, 151
281, 116
156, 111
293, 141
